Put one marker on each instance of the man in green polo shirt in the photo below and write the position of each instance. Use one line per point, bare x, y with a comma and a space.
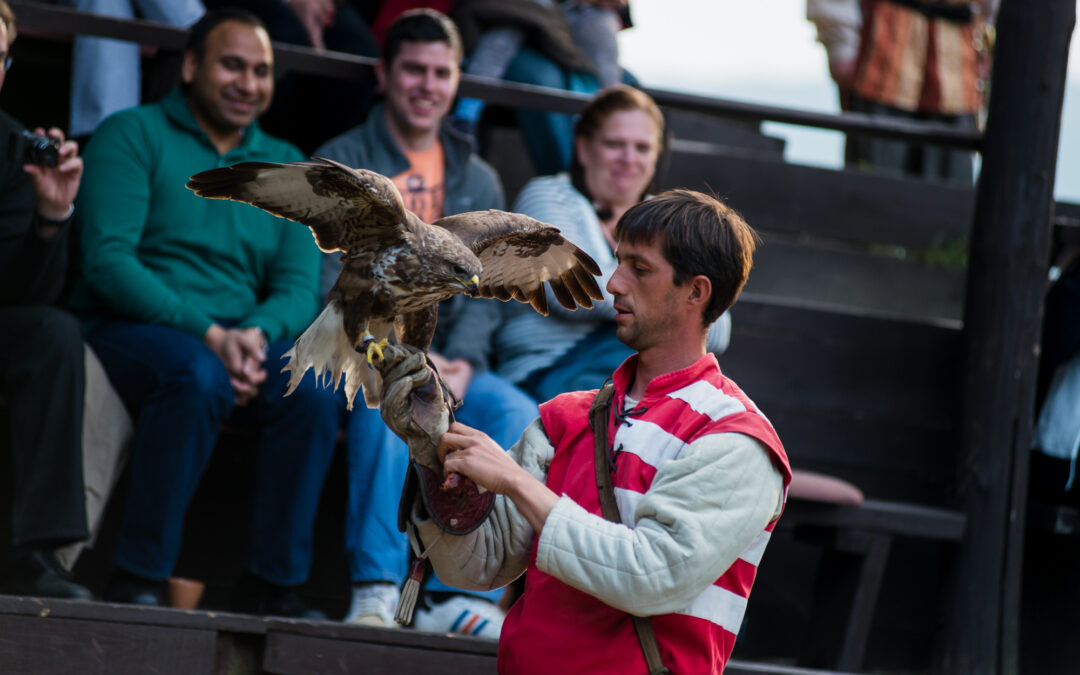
190, 304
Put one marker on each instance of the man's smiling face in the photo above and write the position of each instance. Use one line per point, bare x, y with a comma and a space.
420, 85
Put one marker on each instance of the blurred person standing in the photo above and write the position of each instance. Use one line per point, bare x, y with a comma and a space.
42, 368
911, 59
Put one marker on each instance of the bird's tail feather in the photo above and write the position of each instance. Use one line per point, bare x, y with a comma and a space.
326, 349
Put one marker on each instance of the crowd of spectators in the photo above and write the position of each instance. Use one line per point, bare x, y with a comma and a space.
189, 304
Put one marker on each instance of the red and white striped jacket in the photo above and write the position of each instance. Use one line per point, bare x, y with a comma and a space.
677, 409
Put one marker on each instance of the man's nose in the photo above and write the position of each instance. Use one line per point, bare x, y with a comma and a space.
614, 283
246, 80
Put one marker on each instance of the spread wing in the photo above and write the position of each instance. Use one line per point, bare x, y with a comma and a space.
519, 254
345, 208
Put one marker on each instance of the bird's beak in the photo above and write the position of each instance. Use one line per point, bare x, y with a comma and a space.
471, 286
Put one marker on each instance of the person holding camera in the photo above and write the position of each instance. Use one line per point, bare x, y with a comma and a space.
42, 374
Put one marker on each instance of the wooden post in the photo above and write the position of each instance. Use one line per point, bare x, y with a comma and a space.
1002, 322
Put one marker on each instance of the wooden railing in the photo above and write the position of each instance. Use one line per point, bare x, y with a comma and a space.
64, 22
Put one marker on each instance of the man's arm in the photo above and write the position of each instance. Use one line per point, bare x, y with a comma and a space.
114, 202
701, 512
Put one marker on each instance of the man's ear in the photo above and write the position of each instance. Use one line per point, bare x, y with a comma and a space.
188, 67
380, 75
700, 292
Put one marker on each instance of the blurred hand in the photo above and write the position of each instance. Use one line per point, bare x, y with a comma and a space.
243, 352
316, 16
457, 374
57, 186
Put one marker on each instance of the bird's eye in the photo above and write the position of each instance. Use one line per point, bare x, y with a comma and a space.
461, 271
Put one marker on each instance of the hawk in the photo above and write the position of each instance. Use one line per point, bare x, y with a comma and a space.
395, 267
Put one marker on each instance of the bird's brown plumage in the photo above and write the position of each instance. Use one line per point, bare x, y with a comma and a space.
395, 267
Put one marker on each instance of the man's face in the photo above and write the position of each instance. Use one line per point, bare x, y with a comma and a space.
419, 85
649, 306
234, 82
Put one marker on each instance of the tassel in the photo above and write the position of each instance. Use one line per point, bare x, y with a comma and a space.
410, 593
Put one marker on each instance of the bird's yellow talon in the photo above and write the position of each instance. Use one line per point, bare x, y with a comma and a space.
375, 349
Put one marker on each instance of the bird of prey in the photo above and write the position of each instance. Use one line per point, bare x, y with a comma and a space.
395, 267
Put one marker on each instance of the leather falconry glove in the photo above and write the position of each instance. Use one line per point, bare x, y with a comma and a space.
417, 406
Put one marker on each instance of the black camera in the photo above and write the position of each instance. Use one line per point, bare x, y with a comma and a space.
26, 147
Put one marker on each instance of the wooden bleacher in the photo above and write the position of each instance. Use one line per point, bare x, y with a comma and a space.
853, 350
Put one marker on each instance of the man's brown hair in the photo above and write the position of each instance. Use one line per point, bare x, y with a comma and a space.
698, 234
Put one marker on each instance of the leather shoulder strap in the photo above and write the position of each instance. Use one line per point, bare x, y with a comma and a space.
599, 414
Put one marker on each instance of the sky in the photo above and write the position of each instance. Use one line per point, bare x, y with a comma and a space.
765, 51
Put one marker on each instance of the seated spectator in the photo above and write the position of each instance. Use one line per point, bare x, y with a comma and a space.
190, 304
568, 45
407, 138
617, 142
539, 42
106, 74
309, 109
42, 374
1056, 439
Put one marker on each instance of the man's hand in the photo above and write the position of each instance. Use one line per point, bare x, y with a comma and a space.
243, 352
57, 186
457, 374
472, 453
316, 16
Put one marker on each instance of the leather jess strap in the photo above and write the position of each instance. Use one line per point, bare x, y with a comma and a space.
599, 413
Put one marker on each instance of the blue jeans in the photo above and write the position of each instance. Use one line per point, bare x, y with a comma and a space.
585, 367
548, 136
378, 460
179, 393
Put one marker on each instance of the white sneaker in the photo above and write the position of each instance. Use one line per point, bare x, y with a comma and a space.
373, 604
463, 614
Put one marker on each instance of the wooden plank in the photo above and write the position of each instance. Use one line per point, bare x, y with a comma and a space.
739, 667
819, 376
846, 205
294, 654
334, 630
691, 126
1007, 282
53, 645
67, 22
891, 518
104, 612
850, 278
